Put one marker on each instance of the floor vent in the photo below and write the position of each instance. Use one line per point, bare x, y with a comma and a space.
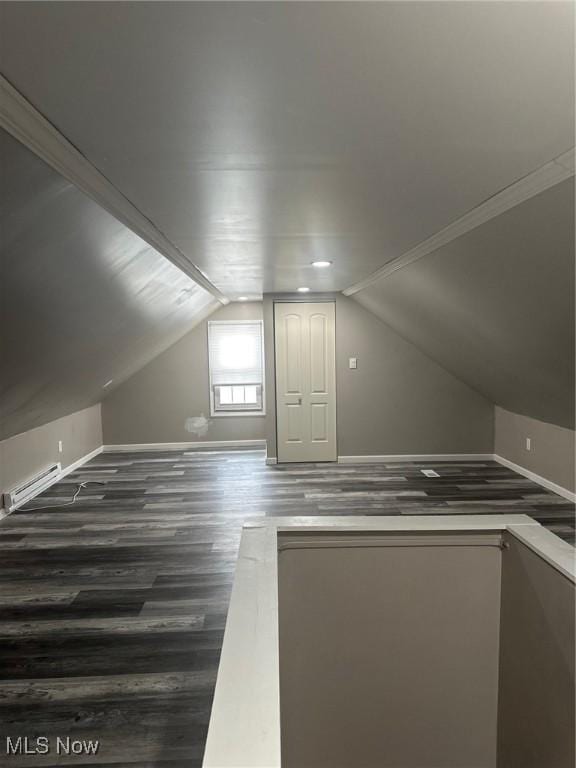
27, 490
430, 472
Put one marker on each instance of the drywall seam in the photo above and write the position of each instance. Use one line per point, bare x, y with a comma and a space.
548, 175
23, 121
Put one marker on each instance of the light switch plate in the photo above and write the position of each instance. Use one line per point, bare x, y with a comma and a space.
353, 362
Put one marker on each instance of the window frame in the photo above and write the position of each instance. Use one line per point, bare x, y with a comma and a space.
225, 413
253, 408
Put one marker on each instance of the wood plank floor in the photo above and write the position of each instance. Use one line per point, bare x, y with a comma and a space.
112, 610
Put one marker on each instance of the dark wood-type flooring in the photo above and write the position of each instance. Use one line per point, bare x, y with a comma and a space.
112, 610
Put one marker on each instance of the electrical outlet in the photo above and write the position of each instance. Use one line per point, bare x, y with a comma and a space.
60, 447
528, 444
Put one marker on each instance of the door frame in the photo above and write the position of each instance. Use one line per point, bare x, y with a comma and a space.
310, 298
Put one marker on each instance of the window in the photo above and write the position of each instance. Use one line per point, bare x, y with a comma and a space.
236, 361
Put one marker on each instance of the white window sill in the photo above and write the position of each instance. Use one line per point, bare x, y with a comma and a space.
243, 414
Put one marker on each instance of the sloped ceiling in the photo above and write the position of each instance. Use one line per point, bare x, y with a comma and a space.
496, 306
82, 299
260, 136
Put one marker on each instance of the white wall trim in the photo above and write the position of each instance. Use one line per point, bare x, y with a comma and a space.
66, 471
251, 444
79, 462
548, 484
436, 457
548, 175
271, 460
391, 458
247, 732
31, 128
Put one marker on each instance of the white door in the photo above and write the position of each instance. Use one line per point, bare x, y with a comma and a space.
305, 381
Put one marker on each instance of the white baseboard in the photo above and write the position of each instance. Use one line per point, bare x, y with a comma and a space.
79, 462
548, 484
389, 459
271, 460
66, 471
254, 444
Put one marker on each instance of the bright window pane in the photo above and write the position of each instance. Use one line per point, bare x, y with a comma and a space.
238, 352
226, 395
235, 353
236, 366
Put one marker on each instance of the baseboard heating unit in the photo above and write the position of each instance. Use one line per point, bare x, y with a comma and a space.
30, 488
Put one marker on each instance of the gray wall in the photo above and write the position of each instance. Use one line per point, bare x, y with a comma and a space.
398, 400
536, 713
496, 306
551, 453
389, 655
153, 405
83, 299
23, 455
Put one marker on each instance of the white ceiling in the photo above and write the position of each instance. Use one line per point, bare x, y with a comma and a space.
261, 136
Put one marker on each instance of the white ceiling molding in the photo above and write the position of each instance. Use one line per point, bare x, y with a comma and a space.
557, 170
31, 128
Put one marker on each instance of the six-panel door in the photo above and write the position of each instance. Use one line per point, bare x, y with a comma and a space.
305, 381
